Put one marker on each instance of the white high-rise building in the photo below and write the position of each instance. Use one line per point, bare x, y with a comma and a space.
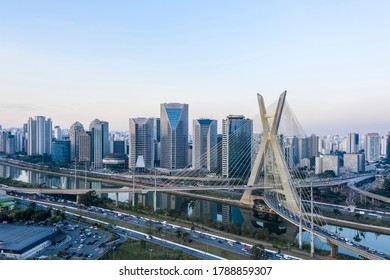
57, 133
204, 144
372, 141
74, 136
354, 162
141, 142
327, 162
352, 143
174, 135
384, 141
39, 136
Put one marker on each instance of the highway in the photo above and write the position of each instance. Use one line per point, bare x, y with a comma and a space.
333, 238
201, 236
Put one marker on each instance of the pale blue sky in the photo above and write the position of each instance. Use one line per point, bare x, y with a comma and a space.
81, 60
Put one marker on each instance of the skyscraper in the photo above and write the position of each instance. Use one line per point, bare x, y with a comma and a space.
141, 142
84, 146
236, 146
388, 148
204, 144
57, 133
303, 148
7, 142
352, 143
74, 133
174, 135
3, 141
384, 140
39, 136
99, 142
313, 145
372, 146
157, 141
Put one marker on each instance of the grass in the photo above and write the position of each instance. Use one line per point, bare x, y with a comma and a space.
138, 250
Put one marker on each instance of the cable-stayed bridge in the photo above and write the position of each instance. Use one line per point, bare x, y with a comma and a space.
286, 193
271, 175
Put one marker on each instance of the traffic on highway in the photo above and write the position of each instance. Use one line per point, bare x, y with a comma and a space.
307, 225
200, 235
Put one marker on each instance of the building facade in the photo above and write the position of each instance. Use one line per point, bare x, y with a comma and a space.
99, 142
204, 144
141, 142
236, 146
61, 151
313, 146
372, 143
84, 146
39, 136
174, 135
74, 132
354, 163
352, 143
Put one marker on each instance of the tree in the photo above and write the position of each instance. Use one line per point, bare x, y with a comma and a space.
327, 174
185, 236
357, 216
336, 212
159, 230
258, 252
178, 233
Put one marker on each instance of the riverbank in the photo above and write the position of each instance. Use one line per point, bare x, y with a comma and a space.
362, 225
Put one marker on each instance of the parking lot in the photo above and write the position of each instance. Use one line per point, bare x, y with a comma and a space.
81, 242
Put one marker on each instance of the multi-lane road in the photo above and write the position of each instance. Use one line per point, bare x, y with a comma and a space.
159, 236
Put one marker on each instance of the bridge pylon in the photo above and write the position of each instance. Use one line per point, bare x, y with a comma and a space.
270, 160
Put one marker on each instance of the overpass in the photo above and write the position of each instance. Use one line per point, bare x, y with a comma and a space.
330, 238
369, 194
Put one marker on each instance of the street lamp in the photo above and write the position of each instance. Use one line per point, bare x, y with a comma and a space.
155, 189
133, 188
113, 252
150, 253
75, 171
85, 173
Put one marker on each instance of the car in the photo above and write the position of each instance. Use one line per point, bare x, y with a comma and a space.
148, 237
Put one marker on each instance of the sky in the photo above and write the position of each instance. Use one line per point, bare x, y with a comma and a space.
114, 60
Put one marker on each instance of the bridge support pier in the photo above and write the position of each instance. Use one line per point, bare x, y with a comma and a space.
247, 198
116, 199
334, 249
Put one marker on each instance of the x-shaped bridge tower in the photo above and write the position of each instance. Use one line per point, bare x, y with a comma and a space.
270, 158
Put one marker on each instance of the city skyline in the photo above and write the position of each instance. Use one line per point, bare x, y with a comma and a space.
81, 61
